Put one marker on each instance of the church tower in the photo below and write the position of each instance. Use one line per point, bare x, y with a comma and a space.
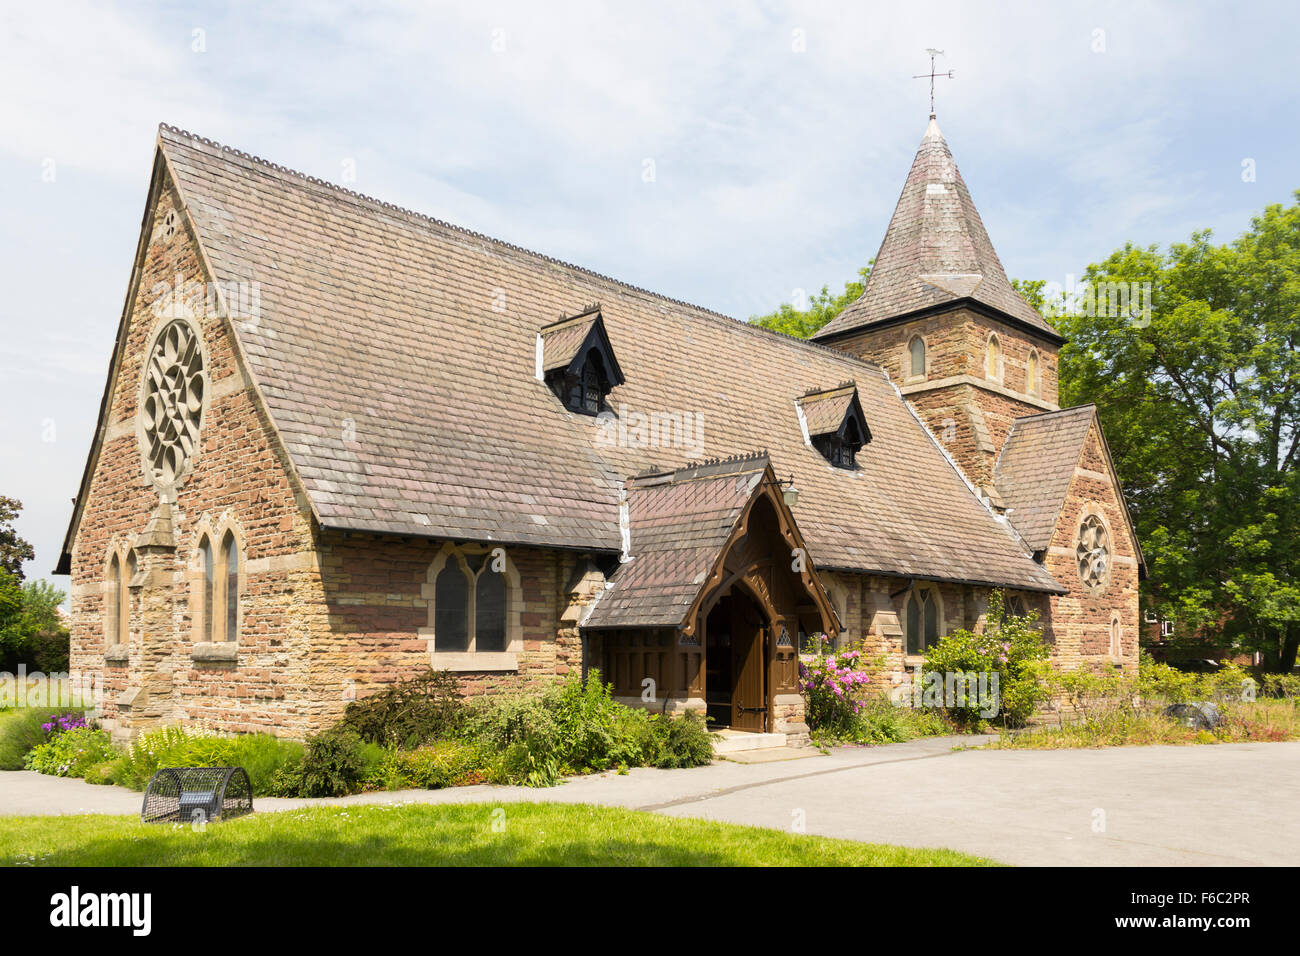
940, 316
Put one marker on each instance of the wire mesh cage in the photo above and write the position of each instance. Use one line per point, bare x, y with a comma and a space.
197, 795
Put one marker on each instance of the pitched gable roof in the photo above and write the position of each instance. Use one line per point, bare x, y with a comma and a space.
381, 316
679, 522
563, 342
827, 411
935, 252
1035, 467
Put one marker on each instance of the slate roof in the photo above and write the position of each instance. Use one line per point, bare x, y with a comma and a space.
561, 340
1033, 471
824, 411
935, 251
394, 320
679, 522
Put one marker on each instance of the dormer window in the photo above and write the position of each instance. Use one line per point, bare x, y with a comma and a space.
576, 359
834, 423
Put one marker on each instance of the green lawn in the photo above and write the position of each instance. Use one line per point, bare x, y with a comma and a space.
517, 834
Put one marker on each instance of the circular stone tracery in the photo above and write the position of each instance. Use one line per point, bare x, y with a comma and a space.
172, 407
1093, 552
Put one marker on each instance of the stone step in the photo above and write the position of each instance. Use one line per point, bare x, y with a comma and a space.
770, 754
738, 741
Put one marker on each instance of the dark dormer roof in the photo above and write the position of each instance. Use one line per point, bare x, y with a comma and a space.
566, 344
834, 411
935, 253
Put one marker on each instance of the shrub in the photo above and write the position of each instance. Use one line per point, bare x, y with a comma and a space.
101, 773
1282, 685
69, 753
1011, 647
576, 727
683, 742
443, 763
831, 683
881, 721
20, 731
335, 763
409, 713
262, 755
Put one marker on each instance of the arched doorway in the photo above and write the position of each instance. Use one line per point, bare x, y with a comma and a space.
736, 636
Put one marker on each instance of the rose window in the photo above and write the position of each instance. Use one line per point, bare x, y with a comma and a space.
1093, 552
172, 408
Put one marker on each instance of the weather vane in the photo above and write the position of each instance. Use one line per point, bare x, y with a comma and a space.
921, 76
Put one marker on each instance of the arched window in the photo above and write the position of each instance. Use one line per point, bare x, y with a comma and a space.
916, 357
1116, 642
209, 587
230, 556
490, 612
113, 603
452, 609
475, 603
993, 359
1033, 382
922, 619
217, 607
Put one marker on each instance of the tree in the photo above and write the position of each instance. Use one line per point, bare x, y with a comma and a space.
13, 549
1200, 396
31, 630
802, 323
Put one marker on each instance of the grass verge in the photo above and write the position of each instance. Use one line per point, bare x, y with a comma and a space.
516, 834
1260, 721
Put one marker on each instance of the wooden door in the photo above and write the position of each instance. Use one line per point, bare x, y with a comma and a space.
749, 695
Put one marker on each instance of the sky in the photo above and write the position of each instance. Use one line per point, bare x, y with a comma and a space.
734, 155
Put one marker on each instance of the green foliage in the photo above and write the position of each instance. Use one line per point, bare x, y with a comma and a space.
409, 713
20, 731
658, 740
443, 763
1201, 403
31, 631
576, 727
14, 550
1012, 647
70, 753
803, 323
881, 721
336, 762
101, 773
262, 755
832, 683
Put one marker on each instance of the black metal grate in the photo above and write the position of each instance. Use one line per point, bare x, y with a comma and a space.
197, 795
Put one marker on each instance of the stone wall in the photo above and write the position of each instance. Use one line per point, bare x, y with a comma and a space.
1081, 620
968, 413
240, 479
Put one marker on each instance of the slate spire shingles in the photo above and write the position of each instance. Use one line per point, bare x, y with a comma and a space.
397, 358
935, 251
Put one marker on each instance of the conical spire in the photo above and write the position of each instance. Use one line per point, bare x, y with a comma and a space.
935, 251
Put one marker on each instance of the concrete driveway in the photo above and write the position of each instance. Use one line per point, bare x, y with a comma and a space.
1224, 804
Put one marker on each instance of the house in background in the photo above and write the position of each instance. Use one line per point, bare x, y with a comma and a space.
341, 442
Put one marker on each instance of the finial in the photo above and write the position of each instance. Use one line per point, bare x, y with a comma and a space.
932, 74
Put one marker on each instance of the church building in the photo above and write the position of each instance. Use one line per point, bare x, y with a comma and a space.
341, 442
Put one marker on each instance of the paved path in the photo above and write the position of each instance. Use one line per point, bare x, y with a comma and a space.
1225, 804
